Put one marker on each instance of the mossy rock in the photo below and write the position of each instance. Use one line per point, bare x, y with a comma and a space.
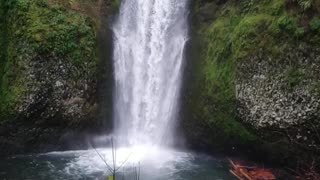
231, 44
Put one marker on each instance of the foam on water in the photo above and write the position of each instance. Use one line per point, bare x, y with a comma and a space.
155, 164
151, 160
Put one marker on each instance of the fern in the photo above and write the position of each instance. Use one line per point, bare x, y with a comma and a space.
304, 4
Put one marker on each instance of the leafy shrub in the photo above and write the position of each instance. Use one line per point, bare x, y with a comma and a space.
287, 23
246, 5
305, 4
315, 24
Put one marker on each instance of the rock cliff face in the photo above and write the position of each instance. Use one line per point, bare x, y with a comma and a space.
281, 92
255, 81
49, 74
280, 100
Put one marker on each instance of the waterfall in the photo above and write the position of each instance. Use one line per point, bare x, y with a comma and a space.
149, 42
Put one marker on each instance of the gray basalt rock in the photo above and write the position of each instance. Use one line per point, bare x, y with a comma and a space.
279, 94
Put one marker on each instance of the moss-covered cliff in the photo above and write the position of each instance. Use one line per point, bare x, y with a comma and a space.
48, 71
256, 77
254, 83
36, 30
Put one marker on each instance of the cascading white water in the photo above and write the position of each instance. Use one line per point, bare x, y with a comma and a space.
149, 41
150, 36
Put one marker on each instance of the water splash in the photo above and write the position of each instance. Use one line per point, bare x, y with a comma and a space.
87, 162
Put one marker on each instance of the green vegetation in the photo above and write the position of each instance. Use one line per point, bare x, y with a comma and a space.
294, 76
305, 4
315, 24
116, 4
38, 30
215, 103
53, 29
238, 32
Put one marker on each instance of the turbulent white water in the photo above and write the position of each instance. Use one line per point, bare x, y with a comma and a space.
149, 41
171, 165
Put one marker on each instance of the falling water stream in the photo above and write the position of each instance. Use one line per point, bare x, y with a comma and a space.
149, 44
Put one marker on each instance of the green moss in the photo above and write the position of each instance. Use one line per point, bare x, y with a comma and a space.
274, 7
287, 23
293, 77
35, 29
250, 34
54, 29
315, 24
239, 31
214, 101
3, 37
4, 8
116, 4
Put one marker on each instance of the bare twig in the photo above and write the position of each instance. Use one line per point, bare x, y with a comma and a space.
109, 167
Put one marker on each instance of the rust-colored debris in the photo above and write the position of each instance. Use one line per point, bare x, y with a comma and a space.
250, 173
